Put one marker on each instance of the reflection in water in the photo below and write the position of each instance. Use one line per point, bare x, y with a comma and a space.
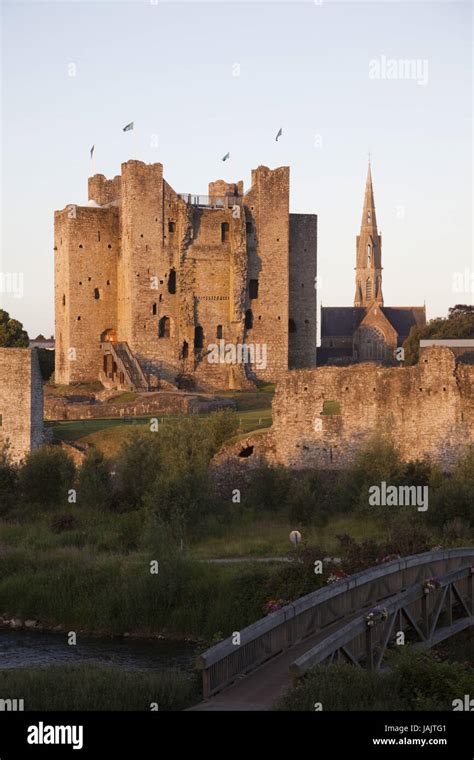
19, 649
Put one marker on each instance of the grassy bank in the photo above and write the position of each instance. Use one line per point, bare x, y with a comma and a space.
93, 687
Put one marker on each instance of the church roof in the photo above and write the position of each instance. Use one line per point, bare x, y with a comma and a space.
403, 318
341, 321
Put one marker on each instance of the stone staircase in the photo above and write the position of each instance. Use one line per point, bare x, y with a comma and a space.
122, 368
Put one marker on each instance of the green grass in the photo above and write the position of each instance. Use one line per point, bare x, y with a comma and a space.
127, 397
110, 433
94, 687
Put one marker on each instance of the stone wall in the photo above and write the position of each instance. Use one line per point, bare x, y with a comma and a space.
143, 264
322, 417
21, 401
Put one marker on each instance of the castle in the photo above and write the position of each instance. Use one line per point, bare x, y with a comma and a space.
148, 281
367, 331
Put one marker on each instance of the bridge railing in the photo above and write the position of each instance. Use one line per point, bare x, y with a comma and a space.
268, 637
407, 608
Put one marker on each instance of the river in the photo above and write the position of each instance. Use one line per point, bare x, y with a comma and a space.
21, 649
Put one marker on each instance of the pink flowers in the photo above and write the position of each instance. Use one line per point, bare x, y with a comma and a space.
273, 605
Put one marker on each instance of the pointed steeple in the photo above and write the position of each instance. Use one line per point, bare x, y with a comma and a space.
368, 212
369, 252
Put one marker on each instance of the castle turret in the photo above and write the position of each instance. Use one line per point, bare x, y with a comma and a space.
369, 253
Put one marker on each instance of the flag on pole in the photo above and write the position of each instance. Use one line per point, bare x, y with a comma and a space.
92, 150
227, 155
280, 132
128, 127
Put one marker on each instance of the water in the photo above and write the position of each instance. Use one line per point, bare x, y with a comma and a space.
20, 649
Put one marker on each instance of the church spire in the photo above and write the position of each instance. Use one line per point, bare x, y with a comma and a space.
369, 252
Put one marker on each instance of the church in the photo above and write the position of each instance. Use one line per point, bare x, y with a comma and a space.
368, 330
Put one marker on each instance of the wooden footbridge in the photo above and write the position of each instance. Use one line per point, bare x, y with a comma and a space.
427, 597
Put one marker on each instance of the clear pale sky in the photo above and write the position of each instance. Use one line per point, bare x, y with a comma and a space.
304, 67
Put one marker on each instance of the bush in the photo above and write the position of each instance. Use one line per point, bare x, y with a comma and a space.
94, 481
8, 481
46, 477
416, 682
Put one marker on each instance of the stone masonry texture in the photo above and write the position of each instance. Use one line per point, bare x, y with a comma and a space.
21, 401
171, 275
323, 417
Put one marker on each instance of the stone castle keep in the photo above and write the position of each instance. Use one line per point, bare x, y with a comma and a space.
21, 401
147, 279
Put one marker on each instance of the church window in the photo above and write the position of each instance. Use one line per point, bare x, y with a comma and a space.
369, 219
224, 232
172, 282
248, 319
219, 331
368, 290
164, 327
291, 326
253, 289
369, 255
198, 337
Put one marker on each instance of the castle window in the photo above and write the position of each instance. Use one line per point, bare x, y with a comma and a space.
1, 420
171, 227
96, 294
291, 326
109, 246
219, 331
64, 300
78, 319
160, 297
108, 282
253, 289
198, 337
224, 232
153, 309
98, 236
172, 282
164, 327
185, 350
248, 319
81, 246
248, 228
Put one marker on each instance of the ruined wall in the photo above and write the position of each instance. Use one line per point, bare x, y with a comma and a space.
427, 409
21, 401
87, 244
302, 291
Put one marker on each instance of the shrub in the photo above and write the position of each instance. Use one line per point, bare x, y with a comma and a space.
8, 481
46, 476
94, 480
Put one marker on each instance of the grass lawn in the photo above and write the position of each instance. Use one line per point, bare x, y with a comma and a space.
109, 433
268, 537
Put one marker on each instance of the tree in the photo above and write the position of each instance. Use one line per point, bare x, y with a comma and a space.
458, 324
12, 334
46, 477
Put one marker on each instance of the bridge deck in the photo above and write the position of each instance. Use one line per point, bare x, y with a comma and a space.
262, 687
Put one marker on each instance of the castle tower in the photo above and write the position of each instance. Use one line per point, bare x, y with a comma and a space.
369, 253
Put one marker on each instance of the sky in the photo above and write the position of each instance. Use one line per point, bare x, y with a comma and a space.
200, 79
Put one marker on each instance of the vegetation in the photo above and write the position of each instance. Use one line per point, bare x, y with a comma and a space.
77, 543
416, 682
93, 687
12, 334
458, 324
